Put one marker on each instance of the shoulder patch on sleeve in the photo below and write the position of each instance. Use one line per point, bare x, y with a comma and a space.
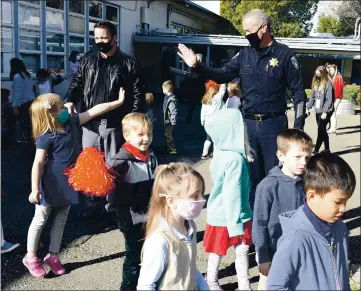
294, 62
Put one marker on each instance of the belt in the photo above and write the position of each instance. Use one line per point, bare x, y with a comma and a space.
261, 117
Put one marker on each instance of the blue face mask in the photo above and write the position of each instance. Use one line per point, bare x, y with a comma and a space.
63, 116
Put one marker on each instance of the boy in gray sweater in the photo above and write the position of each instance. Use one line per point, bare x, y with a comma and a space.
170, 109
280, 191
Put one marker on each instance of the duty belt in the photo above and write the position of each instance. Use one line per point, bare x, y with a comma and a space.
261, 117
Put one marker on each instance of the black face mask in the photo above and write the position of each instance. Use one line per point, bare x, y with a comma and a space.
254, 40
104, 47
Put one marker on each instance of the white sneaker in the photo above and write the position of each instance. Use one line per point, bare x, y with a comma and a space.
213, 285
244, 285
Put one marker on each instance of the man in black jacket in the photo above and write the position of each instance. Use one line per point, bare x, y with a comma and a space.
99, 78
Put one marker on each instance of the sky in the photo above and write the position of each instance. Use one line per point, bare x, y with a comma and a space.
213, 6
323, 7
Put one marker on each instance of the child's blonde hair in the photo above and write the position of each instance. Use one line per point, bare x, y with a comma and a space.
43, 113
168, 85
173, 179
149, 98
136, 120
209, 94
234, 89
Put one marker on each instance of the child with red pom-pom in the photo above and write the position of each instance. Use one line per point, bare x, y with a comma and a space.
134, 166
57, 148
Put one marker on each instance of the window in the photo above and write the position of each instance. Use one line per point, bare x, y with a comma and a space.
32, 62
95, 9
77, 6
6, 38
76, 24
55, 42
180, 29
29, 16
111, 13
57, 63
5, 63
6, 12
183, 29
54, 20
55, 35
76, 44
29, 40
91, 26
42, 35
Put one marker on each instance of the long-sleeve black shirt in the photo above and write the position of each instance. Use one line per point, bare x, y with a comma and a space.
264, 77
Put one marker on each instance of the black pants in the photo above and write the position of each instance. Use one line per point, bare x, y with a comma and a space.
262, 137
322, 136
134, 239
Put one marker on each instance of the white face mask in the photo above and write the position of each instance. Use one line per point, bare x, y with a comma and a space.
188, 209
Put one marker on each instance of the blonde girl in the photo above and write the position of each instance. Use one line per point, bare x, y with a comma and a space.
211, 102
234, 95
322, 99
57, 148
170, 249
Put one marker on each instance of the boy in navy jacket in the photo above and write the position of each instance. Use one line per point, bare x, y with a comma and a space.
280, 191
312, 253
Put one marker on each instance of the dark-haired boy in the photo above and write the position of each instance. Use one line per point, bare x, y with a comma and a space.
279, 192
312, 253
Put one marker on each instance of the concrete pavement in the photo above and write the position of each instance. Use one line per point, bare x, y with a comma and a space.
93, 250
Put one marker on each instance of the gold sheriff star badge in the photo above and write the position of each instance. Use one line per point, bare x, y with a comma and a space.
273, 62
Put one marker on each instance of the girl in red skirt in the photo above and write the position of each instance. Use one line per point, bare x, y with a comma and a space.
229, 215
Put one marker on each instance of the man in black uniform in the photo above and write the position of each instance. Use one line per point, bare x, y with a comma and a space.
266, 69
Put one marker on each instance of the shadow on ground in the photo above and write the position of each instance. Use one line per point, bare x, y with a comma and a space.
17, 212
355, 149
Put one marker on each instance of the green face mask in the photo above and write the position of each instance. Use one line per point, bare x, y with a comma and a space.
63, 116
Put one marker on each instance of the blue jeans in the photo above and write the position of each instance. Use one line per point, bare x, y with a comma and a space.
263, 142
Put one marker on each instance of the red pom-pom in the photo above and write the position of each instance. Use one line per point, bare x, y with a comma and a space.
213, 84
90, 174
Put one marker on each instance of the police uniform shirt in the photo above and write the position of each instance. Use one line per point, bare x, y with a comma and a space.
264, 77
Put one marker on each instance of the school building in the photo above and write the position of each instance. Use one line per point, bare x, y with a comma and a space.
160, 48
44, 32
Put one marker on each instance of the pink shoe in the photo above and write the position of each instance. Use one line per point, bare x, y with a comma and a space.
34, 266
55, 265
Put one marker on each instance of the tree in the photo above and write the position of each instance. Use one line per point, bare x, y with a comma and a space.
329, 24
348, 12
289, 18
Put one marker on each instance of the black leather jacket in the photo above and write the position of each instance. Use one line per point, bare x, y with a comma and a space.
124, 72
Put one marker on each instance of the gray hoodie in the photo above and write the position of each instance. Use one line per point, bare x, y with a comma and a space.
305, 260
322, 100
276, 194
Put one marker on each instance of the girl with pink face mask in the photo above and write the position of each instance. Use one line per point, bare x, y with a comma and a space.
170, 249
